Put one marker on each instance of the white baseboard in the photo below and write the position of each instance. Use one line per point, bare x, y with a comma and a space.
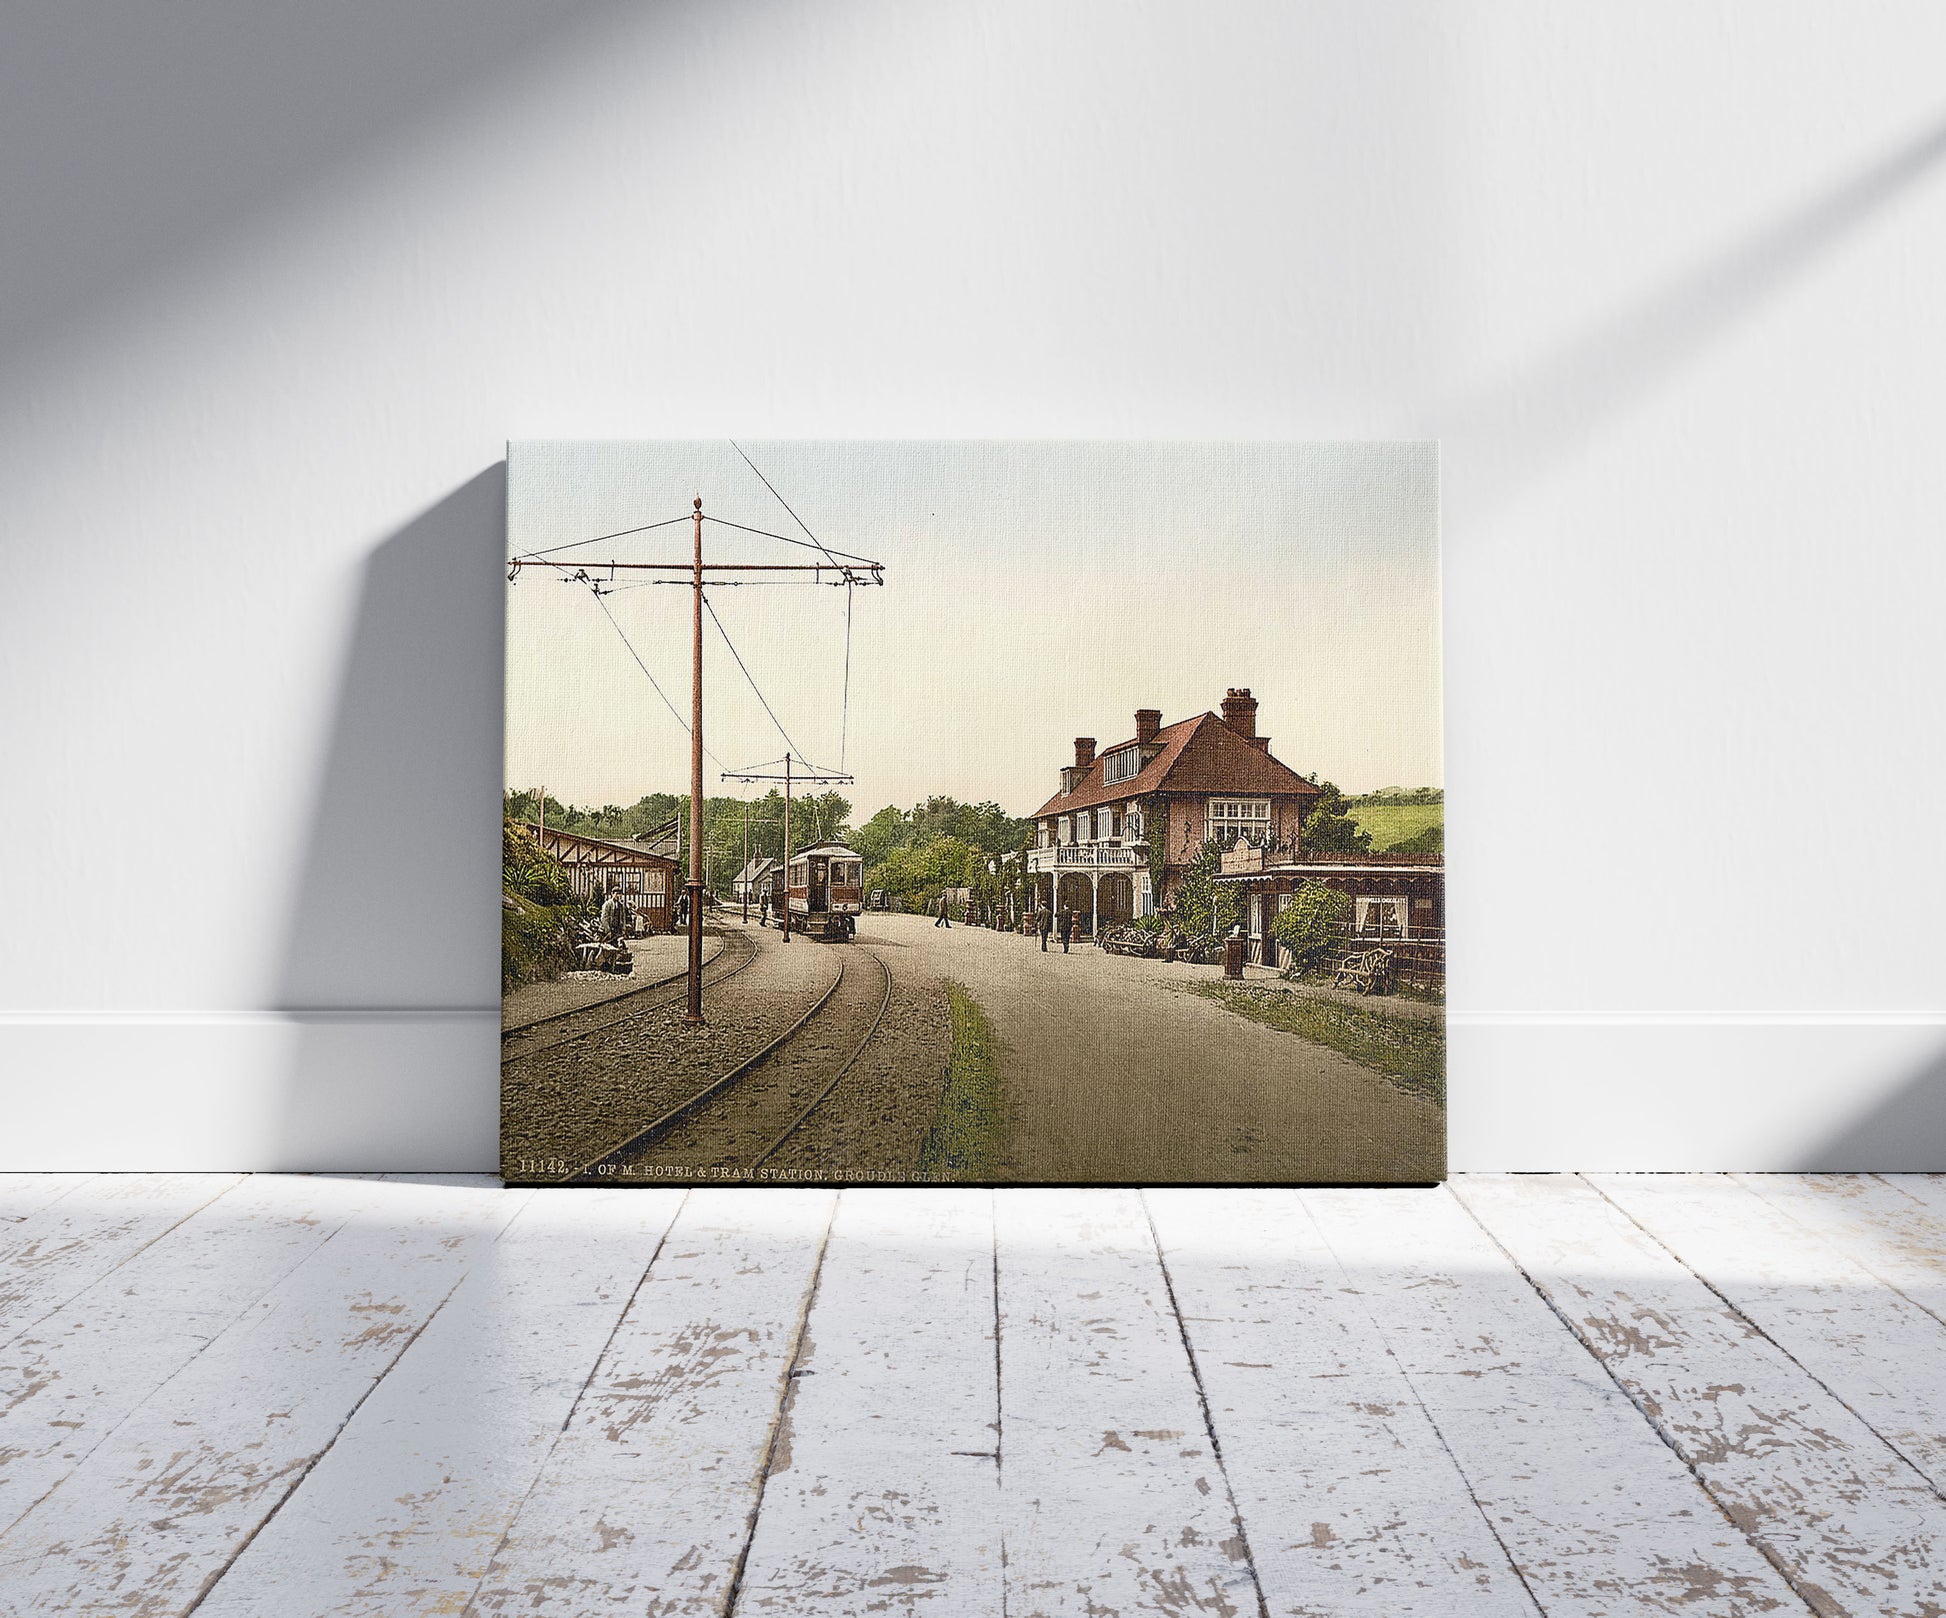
418, 1090
251, 1090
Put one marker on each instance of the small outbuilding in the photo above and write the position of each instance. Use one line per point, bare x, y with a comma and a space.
599, 866
1398, 901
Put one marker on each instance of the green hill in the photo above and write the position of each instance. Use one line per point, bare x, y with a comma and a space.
1393, 823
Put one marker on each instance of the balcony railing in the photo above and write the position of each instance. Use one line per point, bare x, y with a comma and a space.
1083, 857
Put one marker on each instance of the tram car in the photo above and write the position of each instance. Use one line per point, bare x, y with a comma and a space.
826, 889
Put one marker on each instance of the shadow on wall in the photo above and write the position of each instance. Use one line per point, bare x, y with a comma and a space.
134, 139
1510, 435
391, 958
1903, 1134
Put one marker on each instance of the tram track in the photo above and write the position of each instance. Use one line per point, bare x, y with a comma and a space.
674, 983
731, 1087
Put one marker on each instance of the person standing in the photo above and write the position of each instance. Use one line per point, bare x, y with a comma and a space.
1044, 924
763, 912
944, 918
1067, 929
617, 918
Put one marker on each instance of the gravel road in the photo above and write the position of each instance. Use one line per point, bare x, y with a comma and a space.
1109, 1076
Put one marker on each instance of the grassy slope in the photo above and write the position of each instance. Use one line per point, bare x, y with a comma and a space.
1391, 823
964, 1143
1412, 1054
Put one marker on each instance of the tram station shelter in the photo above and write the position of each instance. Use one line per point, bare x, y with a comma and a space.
598, 866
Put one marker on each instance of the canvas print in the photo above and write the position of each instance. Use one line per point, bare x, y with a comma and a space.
985, 812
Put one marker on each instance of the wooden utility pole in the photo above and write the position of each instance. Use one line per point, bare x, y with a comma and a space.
693, 1007
848, 569
815, 776
745, 877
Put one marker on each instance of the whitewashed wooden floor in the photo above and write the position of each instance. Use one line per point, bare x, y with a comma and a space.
1564, 1395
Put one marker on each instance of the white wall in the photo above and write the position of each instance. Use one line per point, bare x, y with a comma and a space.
280, 281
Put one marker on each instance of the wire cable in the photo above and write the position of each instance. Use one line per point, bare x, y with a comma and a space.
765, 533
674, 712
813, 538
844, 714
623, 533
781, 731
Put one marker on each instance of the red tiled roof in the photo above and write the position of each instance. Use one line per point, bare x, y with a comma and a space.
1198, 755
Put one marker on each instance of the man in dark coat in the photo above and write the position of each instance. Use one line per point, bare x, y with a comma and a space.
1044, 924
617, 918
1068, 922
944, 918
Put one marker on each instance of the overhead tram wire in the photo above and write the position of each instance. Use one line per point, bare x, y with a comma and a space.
850, 582
711, 607
813, 538
621, 533
674, 712
844, 715
864, 562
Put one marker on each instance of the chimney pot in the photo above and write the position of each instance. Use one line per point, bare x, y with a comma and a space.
1084, 752
1240, 711
1147, 722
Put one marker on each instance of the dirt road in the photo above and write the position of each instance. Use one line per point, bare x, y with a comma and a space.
1109, 1075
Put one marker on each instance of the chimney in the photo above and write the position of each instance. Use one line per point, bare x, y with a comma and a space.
1240, 712
1147, 722
1084, 752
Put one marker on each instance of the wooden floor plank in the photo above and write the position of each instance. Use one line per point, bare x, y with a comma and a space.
1852, 1524
23, 1194
72, 1378
1113, 1498
404, 1513
1894, 1224
1872, 1347
645, 1504
1599, 1516
884, 1492
156, 1512
1351, 1501
62, 1248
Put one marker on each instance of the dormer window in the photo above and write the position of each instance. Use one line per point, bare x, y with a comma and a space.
1124, 764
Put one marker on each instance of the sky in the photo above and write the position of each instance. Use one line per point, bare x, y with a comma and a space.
1034, 592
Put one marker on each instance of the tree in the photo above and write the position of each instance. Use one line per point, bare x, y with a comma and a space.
885, 831
1330, 828
1202, 906
820, 817
1430, 840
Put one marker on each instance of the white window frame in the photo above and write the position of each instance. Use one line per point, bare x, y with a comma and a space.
1124, 764
1237, 815
1132, 825
1064, 830
1367, 903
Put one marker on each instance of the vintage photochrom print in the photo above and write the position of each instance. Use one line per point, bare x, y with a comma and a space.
979, 812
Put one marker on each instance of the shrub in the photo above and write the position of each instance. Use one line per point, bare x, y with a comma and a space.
1312, 925
1202, 907
527, 872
